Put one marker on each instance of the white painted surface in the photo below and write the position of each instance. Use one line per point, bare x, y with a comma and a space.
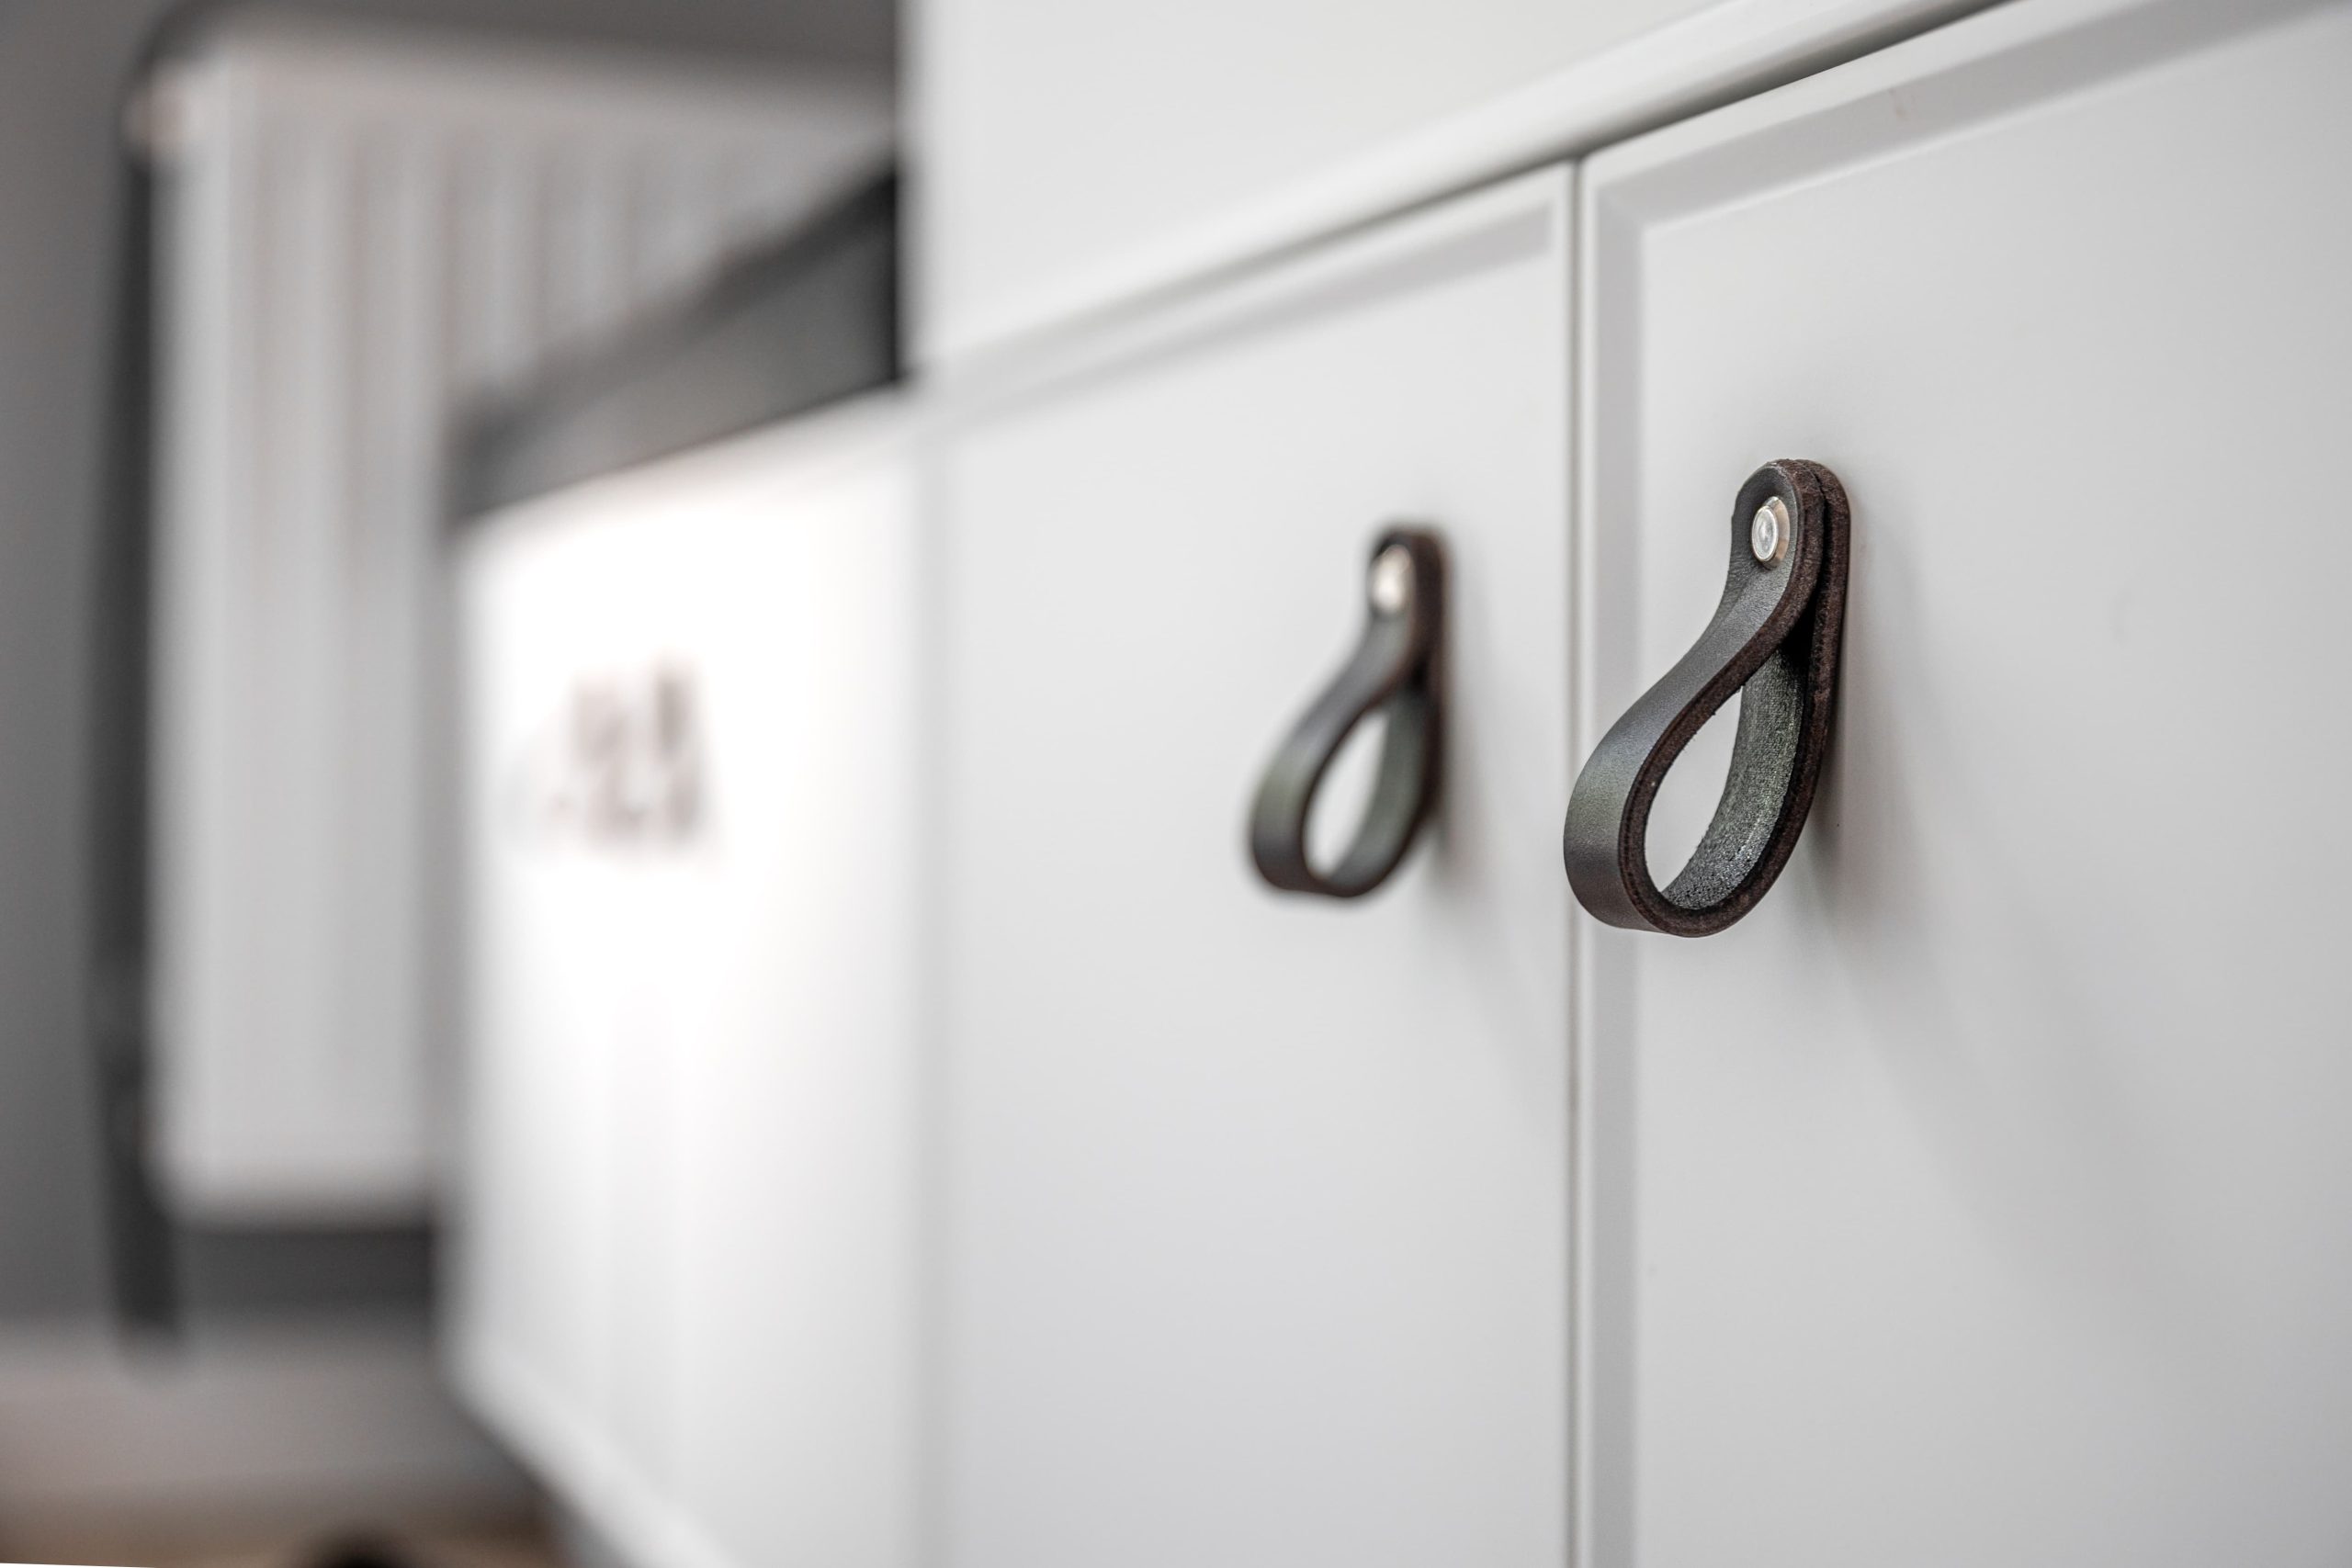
1253, 1208
1074, 158
1983, 1197
685, 1261
362, 231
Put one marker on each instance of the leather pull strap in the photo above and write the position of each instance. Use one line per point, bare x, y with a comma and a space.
1774, 641
1393, 671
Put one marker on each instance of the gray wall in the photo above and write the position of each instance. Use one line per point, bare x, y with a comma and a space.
61, 65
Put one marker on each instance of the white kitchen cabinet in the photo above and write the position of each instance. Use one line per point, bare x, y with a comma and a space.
684, 1258
1253, 1208
951, 1153
1983, 1197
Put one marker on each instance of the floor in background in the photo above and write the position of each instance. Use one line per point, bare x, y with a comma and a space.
517, 1545
253, 1445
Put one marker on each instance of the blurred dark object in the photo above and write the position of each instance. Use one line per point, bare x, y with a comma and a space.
806, 322
138, 1232
362, 1549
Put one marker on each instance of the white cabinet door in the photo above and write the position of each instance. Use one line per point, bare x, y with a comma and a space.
1984, 1197
1254, 1206
685, 1240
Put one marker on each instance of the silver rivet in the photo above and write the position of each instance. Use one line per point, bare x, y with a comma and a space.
1391, 580
1768, 536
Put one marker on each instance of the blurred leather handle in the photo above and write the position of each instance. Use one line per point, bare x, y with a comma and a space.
1393, 671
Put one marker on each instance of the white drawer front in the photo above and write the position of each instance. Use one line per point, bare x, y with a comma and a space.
687, 1249
1254, 1205
1983, 1197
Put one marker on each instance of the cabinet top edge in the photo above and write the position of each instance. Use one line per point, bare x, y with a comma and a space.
1731, 50
1465, 234
2071, 44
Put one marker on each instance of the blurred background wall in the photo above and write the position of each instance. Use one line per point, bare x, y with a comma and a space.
303, 1397
62, 66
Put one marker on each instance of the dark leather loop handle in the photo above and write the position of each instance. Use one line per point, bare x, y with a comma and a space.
1393, 671
1774, 640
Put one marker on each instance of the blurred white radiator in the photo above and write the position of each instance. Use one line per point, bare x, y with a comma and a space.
359, 234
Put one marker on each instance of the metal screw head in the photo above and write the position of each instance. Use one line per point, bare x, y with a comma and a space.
1768, 536
1391, 580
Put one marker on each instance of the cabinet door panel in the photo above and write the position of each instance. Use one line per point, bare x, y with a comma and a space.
687, 1236
1254, 1204
1982, 1196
